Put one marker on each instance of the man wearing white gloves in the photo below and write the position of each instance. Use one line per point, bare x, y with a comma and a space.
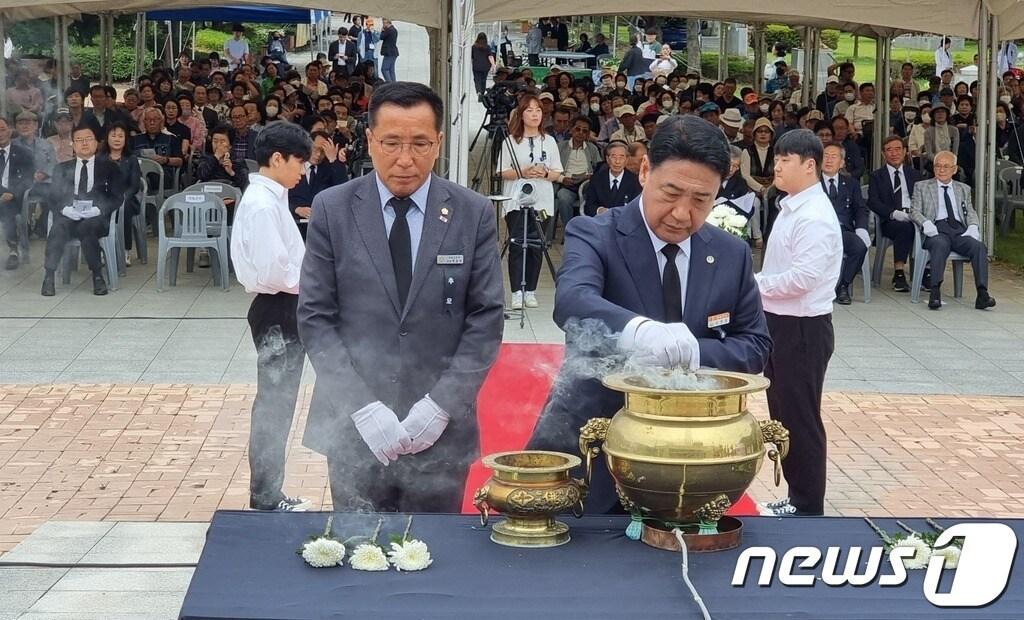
942, 208
844, 193
400, 311
676, 293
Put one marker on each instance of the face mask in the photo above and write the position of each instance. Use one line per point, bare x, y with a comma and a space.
272, 111
849, 97
620, 84
764, 108
1000, 116
186, 113
595, 107
910, 116
927, 118
1005, 98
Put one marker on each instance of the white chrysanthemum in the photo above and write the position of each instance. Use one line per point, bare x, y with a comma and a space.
323, 552
736, 221
368, 557
921, 552
951, 553
410, 555
722, 211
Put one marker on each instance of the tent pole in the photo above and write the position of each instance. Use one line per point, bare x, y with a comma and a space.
103, 48
881, 121
805, 70
759, 53
58, 49
615, 36
65, 48
723, 51
693, 45
110, 48
140, 46
981, 135
990, 158
3, 65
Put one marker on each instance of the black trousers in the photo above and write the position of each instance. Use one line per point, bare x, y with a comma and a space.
8, 217
399, 487
854, 252
533, 59
88, 232
902, 235
796, 368
533, 254
951, 239
279, 372
480, 80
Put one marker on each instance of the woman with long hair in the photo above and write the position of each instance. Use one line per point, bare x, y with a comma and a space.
115, 149
529, 157
483, 62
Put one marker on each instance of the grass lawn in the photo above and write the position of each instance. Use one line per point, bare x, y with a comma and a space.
864, 60
1010, 247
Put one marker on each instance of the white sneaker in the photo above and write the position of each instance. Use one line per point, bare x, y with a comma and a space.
127, 259
531, 299
517, 300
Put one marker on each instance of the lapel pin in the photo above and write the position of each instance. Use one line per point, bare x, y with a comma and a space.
444, 215
711, 260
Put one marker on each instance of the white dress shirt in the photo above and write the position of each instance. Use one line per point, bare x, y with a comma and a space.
5, 179
613, 179
904, 188
414, 216
940, 212
266, 247
90, 164
803, 257
943, 60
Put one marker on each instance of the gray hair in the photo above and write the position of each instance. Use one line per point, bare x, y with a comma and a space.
735, 153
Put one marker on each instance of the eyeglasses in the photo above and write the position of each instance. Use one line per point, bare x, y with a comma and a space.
417, 147
944, 166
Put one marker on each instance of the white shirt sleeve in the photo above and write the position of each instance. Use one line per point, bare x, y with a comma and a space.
812, 250
265, 263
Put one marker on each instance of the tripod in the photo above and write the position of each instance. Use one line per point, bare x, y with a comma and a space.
527, 243
497, 131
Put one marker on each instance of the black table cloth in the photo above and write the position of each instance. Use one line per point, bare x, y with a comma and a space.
249, 569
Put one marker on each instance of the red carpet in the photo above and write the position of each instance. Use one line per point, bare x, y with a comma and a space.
510, 402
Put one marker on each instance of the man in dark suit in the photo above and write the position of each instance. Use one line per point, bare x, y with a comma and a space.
342, 52
890, 192
17, 167
676, 292
103, 114
612, 185
844, 193
323, 171
388, 50
401, 313
86, 191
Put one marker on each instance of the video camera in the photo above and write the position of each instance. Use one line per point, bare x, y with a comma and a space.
501, 99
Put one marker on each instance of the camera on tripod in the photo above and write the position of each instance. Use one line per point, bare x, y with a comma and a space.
500, 99
524, 197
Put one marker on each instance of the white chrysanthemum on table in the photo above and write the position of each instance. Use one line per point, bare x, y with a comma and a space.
368, 557
951, 553
323, 552
728, 219
922, 552
410, 555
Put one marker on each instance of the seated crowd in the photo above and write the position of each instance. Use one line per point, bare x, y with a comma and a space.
578, 141
77, 164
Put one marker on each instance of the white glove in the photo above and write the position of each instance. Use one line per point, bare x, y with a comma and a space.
91, 212
425, 424
900, 215
71, 213
864, 236
972, 232
688, 348
928, 228
382, 433
651, 344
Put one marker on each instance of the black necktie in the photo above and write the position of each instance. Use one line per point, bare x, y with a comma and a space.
615, 186
83, 179
897, 189
3, 162
833, 193
950, 214
401, 247
671, 290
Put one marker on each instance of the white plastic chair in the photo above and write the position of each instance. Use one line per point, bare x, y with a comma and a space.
111, 247
223, 191
200, 221
1012, 197
921, 261
139, 231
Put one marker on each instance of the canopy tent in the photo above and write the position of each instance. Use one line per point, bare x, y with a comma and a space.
242, 14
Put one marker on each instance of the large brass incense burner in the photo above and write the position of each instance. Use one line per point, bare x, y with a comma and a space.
684, 457
530, 487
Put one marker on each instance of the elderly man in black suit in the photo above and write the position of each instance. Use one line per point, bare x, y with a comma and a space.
324, 170
676, 292
86, 191
612, 185
890, 192
844, 193
401, 312
17, 167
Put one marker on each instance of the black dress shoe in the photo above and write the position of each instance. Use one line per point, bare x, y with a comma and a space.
49, 290
843, 295
935, 298
926, 281
984, 300
899, 283
12, 262
99, 287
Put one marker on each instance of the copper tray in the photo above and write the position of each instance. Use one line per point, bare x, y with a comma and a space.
729, 536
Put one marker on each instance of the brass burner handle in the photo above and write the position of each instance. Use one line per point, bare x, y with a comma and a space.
480, 501
594, 431
774, 432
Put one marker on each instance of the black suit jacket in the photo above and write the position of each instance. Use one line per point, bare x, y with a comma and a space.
881, 196
610, 275
327, 175
109, 118
107, 190
389, 41
599, 191
348, 55
849, 204
22, 166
